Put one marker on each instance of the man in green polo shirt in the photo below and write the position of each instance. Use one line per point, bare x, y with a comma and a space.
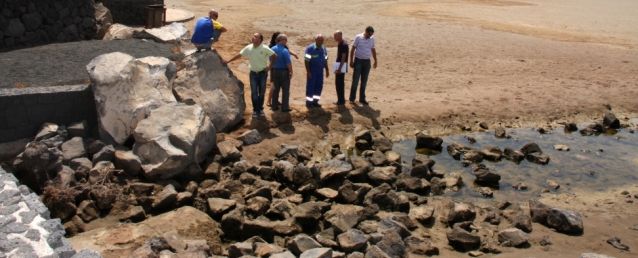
260, 58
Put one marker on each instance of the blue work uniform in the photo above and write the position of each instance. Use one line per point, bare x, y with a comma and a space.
206, 32
203, 32
317, 58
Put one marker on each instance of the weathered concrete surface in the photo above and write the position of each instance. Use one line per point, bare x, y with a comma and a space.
26, 228
122, 240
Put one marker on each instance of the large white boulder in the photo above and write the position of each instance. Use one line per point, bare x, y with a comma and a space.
171, 33
118, 31
173, 137
206, 81
127, 89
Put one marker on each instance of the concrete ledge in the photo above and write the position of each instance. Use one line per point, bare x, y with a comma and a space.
24, 110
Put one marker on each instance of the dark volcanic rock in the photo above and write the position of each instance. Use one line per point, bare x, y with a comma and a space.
485, 177
381, 175
571, 127
353, 193
531, 148
333, 169
538, 158
352, 240
499, 132
390, 225
423, 214
301, 243
420, 246
565, 221
456, 150
423, 140
492, 153
344, 217
460, 212
513, 237
472, 156
512, 155
538, 211
422, 166
610, 120
36, 163
413, 185
592, 129
392, 244
462, 240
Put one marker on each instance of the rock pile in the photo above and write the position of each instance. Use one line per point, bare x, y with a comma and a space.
609, 122
288, 206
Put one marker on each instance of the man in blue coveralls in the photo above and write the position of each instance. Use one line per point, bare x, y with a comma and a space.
316, 61
207, 30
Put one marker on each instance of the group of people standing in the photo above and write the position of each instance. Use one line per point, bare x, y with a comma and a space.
276, 60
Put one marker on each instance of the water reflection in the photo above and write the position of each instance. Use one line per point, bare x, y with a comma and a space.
593, 162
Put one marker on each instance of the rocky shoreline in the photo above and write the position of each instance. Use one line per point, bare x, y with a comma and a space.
357, 203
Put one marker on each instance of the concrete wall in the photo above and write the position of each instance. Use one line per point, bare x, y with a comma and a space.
23, 111
34, 22
129, 12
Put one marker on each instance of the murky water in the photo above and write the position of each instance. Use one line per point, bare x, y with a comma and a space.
593, 163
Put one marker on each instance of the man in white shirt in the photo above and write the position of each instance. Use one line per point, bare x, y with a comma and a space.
362, 49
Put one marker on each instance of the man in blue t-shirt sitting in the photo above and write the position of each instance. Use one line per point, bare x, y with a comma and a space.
207, 30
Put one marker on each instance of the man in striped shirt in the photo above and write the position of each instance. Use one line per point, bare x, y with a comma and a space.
362, 49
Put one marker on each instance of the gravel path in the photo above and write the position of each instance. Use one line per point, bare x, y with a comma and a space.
26, 229
65, 63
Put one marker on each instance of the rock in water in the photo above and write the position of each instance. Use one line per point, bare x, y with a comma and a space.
209, 83
423, 140
127, 89
610, 120
173, 137
499, 132
571, 127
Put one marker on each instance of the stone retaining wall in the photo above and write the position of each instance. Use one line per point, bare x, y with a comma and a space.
23, 111
35, 22
26, 228
129, 12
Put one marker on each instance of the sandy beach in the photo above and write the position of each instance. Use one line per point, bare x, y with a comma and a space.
531, 60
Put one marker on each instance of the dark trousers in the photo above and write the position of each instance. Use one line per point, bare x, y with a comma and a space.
361, 70
258, 89
281, 80
340, 85
314, 85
